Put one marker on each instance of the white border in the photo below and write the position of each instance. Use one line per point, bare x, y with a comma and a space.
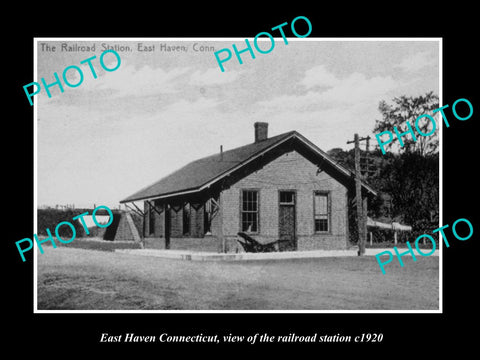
35, 189
35, 204
440, 174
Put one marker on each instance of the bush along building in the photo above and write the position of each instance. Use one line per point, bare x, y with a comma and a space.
278, 188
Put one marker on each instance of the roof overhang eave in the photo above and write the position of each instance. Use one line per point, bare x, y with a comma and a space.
326, 157
228, 172
161, 196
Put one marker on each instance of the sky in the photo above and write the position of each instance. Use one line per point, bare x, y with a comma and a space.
105, 139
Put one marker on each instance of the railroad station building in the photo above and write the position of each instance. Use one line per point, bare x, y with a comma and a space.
276, 188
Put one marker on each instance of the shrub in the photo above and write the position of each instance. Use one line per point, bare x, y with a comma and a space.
50, 218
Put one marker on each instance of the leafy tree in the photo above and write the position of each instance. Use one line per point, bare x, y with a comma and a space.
342, 157
408, 191
412, 181
408, 109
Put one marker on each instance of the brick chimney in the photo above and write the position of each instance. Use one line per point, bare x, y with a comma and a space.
261, 131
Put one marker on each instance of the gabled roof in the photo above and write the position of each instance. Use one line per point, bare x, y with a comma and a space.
199, 174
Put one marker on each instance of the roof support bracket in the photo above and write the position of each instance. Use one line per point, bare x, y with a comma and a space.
152, 206
137, 210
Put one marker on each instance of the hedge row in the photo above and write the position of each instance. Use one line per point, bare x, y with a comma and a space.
50, 218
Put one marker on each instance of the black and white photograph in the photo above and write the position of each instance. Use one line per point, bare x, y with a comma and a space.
237, 189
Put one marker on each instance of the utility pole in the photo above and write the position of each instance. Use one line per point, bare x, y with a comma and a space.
361, 214
367, 159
